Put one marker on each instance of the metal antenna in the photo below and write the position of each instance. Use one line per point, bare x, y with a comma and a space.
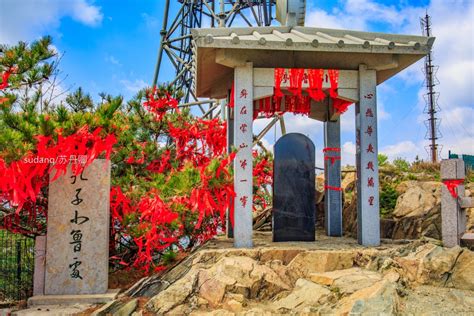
175, 48
431, 97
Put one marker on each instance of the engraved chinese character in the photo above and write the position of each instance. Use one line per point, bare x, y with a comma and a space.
243, 93
243, 110
76, 240
370, 149
75, 274
243, 200
79, 220
369, 96
243, 145
369, 113
243, 163
371, 200
77, 199
370, 182
81, 177
369, 130
243, 127
370, 166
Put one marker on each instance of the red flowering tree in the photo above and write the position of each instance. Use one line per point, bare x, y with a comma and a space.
171, 177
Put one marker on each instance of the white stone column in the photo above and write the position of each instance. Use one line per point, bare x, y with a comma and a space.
332, 178
230, 145
368, 209
243, 119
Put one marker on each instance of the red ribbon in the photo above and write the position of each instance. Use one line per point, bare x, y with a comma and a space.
296, 81
232, 94
315, 89
5, 77
332, 158
326, 149
328, 187
451, 185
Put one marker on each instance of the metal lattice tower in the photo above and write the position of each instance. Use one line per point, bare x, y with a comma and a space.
431, 97
175, 34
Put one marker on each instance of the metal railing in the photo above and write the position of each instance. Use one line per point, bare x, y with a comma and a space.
16, 266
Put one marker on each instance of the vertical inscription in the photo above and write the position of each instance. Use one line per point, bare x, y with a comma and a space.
78, 229
367, 163
243, 137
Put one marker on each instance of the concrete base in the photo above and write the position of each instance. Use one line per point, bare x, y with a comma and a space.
468, 240
73, 299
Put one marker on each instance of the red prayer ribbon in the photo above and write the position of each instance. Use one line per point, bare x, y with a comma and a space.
328, 187
326, 149
451, 185
5, 77
315, 89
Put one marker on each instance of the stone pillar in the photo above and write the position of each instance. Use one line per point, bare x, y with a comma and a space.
453, 217
368, 213
230, 144
40, 265
332, 178
243, 138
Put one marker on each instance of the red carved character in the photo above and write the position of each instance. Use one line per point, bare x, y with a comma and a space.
369, 113
243, 163
244, 93
243, 200
370, 149
243, 110
243, 127
369, 130
371, 200
370, 182
370, 166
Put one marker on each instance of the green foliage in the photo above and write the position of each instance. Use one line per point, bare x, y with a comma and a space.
388, 199
401, 164
168, 257
382, 159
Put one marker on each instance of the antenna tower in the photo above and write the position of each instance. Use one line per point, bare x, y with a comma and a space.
431, 98
175, 44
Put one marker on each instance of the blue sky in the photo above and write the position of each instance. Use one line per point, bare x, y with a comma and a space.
111, 46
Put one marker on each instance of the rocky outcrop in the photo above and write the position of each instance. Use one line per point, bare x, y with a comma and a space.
269, 281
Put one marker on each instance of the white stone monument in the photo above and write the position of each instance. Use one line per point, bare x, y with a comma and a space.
77, 243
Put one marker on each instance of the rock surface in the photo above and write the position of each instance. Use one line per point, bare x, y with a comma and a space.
299, 281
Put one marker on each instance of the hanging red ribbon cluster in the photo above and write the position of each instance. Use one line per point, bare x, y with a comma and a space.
451, 185
296, 102
5, 77
159, 105
331, 158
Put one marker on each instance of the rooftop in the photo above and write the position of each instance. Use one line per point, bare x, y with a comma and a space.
218, 50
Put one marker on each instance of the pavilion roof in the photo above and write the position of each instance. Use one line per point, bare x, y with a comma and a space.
218, 50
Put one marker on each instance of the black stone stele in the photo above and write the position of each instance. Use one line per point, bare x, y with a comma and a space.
294, 209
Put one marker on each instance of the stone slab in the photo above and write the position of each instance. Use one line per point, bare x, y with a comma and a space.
468, 239
77, 249
40, 268
368, 207
294, 206
68, 300
243, 139
465, 202
452, 169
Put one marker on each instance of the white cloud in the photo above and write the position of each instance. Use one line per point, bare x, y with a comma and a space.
348, 153
111, 59
27, 20
133, 86
453, 51
405, 149
151, 22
